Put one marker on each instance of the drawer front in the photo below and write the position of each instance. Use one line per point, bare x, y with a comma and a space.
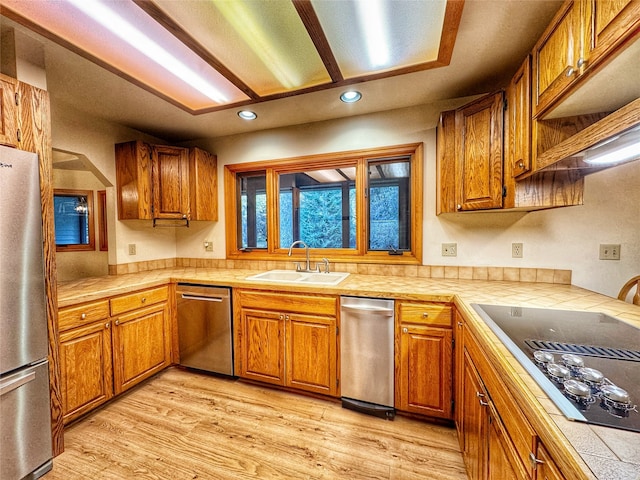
324, 305
140, 299
71, 317
425, 313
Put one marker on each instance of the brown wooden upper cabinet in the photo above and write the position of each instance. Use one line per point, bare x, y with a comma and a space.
518, 151
470, 156
8, 112
582, 35
165, 182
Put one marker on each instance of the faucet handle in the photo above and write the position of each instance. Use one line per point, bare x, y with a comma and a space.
298, 266
326, 265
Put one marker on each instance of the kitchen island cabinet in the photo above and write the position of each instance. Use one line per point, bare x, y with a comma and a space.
288, 340
424, 364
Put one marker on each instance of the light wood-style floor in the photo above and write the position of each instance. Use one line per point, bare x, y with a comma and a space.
185, 425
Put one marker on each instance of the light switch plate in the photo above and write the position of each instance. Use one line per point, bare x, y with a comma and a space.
449, 249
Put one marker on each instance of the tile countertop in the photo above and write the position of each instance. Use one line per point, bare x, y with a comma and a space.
604, 453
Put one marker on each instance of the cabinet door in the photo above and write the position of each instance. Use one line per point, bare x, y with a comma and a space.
613, 21
458, 372
474, 422
519, 115
262, 346
133, 180
8, 112
546, 468
426, 360
479, 142
170, 182
141, 345
85, 368
203, 185
502, 463
558, 55
311, 353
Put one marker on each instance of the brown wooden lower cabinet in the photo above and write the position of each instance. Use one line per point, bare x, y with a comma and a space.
86, 371
102, 355
496, 439
287, 339
141, 345
424, 376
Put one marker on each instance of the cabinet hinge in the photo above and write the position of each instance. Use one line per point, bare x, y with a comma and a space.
453, 405
337, 330
337, 382
504, 191
19, 135
453, 343
506, 103
17, 98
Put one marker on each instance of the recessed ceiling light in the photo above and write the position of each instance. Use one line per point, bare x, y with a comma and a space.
351, 96
247, 115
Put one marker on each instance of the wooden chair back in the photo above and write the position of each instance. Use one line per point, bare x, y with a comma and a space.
627, 287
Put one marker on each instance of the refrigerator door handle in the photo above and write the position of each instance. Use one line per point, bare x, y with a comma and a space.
16, 383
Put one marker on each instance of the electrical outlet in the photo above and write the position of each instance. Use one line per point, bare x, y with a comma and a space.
208, 246
609, 251
516, 250
449, 249
132, 249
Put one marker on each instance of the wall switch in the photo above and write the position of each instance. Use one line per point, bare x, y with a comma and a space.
132, 249
449, 249
516, 250
609, 251
208, 246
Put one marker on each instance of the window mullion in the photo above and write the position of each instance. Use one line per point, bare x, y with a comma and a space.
273, 216
362, 222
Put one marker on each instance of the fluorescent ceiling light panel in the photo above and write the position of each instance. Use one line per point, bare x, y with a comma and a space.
621, 148
264, 43
368, 36
124, 37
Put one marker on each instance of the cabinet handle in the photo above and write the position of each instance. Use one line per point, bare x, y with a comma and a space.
405, 330
19, 135
460, 324
480, 397
117, 322
286, 317
580, 63
143, 299
107, 325
534, 461
459, 207
281, 317
520, 164
83, 316
425, 315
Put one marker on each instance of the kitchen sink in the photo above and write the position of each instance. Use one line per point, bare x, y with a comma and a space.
304, 278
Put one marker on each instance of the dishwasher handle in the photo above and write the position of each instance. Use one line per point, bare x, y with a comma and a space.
189, 296
370, 310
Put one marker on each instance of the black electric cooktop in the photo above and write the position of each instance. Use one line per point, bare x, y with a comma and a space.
587, 362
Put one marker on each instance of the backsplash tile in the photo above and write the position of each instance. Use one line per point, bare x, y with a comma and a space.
449, 272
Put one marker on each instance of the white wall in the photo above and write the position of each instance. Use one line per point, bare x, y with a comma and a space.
564, 238
76, 132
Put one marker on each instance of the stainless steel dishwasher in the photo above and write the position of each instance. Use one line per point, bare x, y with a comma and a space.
204, 327
366, 353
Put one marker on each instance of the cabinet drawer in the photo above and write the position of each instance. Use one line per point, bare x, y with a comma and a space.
425, 313
139, 299
84, 314
289, 302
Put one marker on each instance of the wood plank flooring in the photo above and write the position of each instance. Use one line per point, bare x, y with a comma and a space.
182, 425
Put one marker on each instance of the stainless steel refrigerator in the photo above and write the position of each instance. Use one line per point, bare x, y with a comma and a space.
25, 419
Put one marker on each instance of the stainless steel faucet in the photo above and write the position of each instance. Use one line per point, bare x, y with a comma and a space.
300, 242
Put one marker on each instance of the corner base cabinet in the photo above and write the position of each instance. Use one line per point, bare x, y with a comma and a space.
287, 339
110, 345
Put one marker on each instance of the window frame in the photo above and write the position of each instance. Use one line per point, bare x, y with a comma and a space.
357, 158
79, 247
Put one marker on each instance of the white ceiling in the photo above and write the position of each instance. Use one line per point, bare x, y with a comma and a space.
493, 39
